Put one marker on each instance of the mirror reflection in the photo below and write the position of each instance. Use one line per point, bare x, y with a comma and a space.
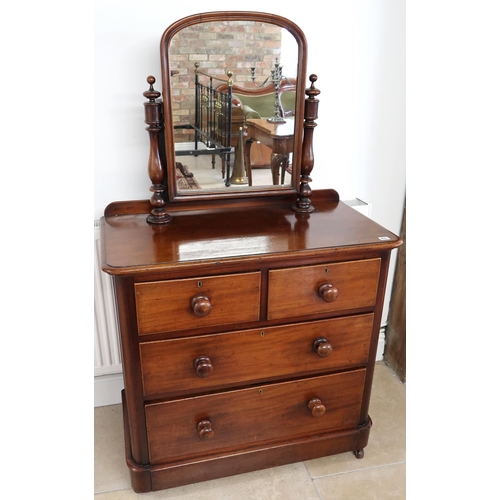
233, 100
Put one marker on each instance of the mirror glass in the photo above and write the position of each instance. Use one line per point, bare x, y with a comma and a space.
231, 113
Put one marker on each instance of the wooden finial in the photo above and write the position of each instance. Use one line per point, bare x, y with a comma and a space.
151, 93
312, 90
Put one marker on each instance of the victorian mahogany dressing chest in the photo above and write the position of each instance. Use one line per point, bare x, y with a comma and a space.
249, 324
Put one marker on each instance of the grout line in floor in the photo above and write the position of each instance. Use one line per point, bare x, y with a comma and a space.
312, 480
356, 470
113, 491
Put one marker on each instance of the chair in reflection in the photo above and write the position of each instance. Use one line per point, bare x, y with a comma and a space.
258, 102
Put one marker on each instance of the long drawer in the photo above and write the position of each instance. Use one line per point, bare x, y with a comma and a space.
295, 292
213, 361
217, 423
174, 305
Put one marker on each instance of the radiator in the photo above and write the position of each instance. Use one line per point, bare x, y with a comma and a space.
360, 206
107, 356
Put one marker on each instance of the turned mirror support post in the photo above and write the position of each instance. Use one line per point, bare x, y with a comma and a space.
303, 203
156, 168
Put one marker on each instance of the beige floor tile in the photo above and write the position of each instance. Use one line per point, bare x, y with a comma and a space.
289, 482
110, 470
379, 483
387, 442
211, 178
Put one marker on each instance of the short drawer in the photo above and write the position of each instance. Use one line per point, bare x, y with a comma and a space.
174, 305
217, 423
211, 362
295, 292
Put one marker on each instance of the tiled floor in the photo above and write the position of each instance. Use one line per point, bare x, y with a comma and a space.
211, 178
380, 475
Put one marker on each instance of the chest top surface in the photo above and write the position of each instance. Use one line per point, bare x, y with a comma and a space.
130, 244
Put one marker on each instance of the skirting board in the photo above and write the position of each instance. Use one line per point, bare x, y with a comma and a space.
107, 389
381, 344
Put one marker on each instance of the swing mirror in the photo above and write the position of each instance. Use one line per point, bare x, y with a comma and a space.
233, 95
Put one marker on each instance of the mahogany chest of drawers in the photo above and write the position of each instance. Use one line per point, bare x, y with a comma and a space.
248, 334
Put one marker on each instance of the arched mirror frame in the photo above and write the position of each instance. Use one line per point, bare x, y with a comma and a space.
226, 192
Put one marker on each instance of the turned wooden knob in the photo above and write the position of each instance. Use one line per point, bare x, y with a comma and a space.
322, 347
317, 407
328, 292
203, 366
205, 430
201, 305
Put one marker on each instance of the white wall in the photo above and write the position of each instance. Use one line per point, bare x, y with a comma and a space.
357, 49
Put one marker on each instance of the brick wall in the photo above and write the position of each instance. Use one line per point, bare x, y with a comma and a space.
219, 47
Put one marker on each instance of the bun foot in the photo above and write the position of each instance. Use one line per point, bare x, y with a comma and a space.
359, 453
